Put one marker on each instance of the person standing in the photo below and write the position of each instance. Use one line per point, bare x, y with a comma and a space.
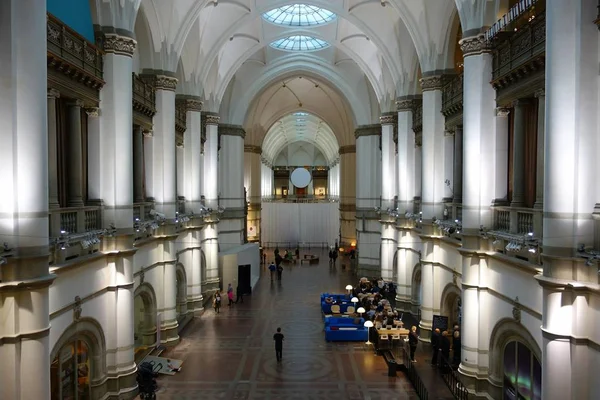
279, 271
445, 349
217, 302
278, 338
272, 268
456, 348
239, 295
230, 295
435, 344
413, 341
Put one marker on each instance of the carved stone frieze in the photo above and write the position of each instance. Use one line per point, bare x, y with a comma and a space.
404, 105
367, 130
474, 45
164, 82
118, 44
249, 148
431, 83
388, 119
231, 130
347, 149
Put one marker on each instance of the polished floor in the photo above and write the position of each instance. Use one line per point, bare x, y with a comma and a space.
232, 355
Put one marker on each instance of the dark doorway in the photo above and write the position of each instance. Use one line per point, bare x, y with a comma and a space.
244, 278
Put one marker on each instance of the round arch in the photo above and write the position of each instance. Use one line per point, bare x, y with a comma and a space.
450, 302
181, 291
505, 331
144, 315
415, 290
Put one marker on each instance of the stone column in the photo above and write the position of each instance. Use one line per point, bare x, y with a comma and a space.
388, 191
518, 159
500, 155
448, 165
192, 138
347, 193
24, 300
138, 165
163, 156
539, 178
570, 287
252, 182
478, 193
53, 94
458, 165
210, 232
231, 163
94, 162
75, 155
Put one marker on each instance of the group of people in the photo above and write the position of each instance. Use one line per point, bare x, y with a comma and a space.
217, 298
442, 343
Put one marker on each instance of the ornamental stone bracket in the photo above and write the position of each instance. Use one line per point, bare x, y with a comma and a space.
367, 130
117, 44
431, 83
474, 45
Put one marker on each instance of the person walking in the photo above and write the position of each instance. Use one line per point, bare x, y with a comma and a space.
278, 338
230, 295
272, 268
217, 301
239, 295
279, 271
413, 341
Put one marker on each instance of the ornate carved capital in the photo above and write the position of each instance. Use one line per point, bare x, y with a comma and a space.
193, 105
211, 119
431, 83
540, 93
404, 105
92, 112
474, 45
367, 130
388, 118
449, 132
117, 44
163, 82
347, 149
249, 148
147, 133
53, 94
179, 144
231, 130
502, 112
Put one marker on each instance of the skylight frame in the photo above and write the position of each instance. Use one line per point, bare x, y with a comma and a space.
296, 43
299, 15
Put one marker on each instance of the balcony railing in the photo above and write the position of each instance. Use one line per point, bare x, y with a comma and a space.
300, 199
74, 220
452, 96
521, 11
65, 45
418, 117
141, 211
144, 96
520, 221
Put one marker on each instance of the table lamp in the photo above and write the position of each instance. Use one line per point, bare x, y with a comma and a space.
354, 300
361, 310
349, 288
368, 325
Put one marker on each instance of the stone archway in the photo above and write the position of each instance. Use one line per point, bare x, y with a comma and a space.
451, 304
181, 292
144, 315
416, 291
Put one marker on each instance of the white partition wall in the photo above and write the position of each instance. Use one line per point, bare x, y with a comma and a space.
304, 223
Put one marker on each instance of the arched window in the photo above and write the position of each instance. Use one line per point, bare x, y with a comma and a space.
70, 372
522, 373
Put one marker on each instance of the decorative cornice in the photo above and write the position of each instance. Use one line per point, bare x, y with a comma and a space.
92, 112
404, 105
388, 118
431, 83
53, 94
367, 130
474, 45
347, 149
502, 112
250, 148
231, 130
164, 82
117, 44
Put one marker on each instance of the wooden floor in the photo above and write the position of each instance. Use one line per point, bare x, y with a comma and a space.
232, 355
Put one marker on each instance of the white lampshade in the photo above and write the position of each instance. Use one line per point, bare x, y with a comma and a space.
354, 300
368, 324
348, 287
360, 310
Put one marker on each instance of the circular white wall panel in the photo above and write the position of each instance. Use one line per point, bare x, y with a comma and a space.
300, 178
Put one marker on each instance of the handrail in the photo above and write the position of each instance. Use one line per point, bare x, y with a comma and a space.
452, 380
413, 376
515, 12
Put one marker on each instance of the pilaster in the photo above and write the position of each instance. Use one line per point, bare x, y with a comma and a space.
347, 188
252, 183
53, 95
539, 179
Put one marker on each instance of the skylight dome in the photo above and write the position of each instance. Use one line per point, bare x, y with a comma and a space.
299, 43
299, 15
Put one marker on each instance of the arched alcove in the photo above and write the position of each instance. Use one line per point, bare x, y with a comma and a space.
450, 304
181, 292
144, 315
416, 290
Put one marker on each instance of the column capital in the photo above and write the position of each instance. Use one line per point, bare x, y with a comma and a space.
388, 118
92, 112
367, 130
347, 149
231, 130
53, 94
147, 133
449, 132
404, 105
502, 112
179, 144
474, 45
540, 93
76, 103
431, 83
250, 148
520, 103
211, 118
190, 103
164, 82
117, 44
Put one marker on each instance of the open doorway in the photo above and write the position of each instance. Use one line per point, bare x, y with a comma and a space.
244, 278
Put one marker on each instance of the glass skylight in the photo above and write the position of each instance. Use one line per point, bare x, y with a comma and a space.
299, 43
299, 15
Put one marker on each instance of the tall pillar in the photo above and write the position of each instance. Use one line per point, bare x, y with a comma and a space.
347, 194
570, 190
75, 155
94, 158
231, 163
458, 165
252, 181
500, 155
539, 178
164, 159
479, 101
210, 232
449, 165
53, 95
116, 165
368, 173
24, 300
388, 192
138, 165
518, 151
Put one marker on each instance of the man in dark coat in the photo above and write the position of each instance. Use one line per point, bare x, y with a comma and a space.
435, 345
445, 349
278, 338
